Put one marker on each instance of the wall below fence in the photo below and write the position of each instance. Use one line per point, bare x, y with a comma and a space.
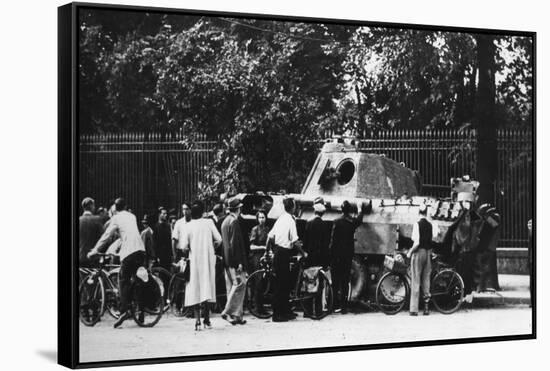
165, 169
513, 260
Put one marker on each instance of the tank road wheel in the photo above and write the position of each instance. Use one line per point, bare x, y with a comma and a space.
447, 290
392, 292
176, 295
91, 299
320, 304
259, 293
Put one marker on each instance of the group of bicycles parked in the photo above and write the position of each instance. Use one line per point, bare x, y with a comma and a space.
159, 291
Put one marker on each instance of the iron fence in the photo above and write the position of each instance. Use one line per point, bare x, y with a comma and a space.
150, 170
164, 169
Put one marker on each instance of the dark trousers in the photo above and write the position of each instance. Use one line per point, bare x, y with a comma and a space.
221, 292
341, 273
465, 267
128, 269
165, 261
281, 292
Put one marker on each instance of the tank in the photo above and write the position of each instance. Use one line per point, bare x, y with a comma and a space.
392, 192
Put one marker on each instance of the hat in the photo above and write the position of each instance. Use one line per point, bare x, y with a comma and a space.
235, 203
346, 207
142, 274
319, 208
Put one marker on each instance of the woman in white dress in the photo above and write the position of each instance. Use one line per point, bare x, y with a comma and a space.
200, 237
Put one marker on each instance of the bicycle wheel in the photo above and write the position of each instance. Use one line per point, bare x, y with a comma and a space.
176, 295
165, 276
447, 291
320, 304
91, 299
112, 301
392, 292
147, 309
259, 293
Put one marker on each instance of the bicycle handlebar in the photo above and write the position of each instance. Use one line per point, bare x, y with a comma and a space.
102, 257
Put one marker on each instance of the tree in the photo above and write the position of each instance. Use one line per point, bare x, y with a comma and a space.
264, 89
487, 155
254, 85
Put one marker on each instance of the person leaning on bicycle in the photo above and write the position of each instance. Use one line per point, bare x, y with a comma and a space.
132, 252
421, 265
283, 237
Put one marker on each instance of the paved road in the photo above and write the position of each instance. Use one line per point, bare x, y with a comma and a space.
176, 337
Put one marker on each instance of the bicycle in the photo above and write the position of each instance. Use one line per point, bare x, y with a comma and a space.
165, 277
176, 295
99, 292
176, 291
393, 288
316, 299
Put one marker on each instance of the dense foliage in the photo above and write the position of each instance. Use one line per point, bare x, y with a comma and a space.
264, 89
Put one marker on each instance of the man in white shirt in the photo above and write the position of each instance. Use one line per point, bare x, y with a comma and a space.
421, 265
283, 237
132, 252
177, 232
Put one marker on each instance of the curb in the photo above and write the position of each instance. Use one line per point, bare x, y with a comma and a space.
498, 299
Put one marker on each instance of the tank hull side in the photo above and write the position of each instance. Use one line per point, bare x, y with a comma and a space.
380, 229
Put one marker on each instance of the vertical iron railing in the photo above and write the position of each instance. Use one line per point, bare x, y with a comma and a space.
156, 169
148, 170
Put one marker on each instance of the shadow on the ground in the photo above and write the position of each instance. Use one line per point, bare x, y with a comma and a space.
50, 355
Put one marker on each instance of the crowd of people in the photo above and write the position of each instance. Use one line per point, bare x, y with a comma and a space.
204, 238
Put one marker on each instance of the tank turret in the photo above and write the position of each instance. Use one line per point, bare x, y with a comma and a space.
343, 170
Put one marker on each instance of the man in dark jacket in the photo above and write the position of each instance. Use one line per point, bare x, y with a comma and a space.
342, 248
90, 229
218, 214
162, 240
235, 259
317, 238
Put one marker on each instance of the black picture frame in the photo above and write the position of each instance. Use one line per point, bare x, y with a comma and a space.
68, 170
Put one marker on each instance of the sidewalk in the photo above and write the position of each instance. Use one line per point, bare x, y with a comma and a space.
514, 291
